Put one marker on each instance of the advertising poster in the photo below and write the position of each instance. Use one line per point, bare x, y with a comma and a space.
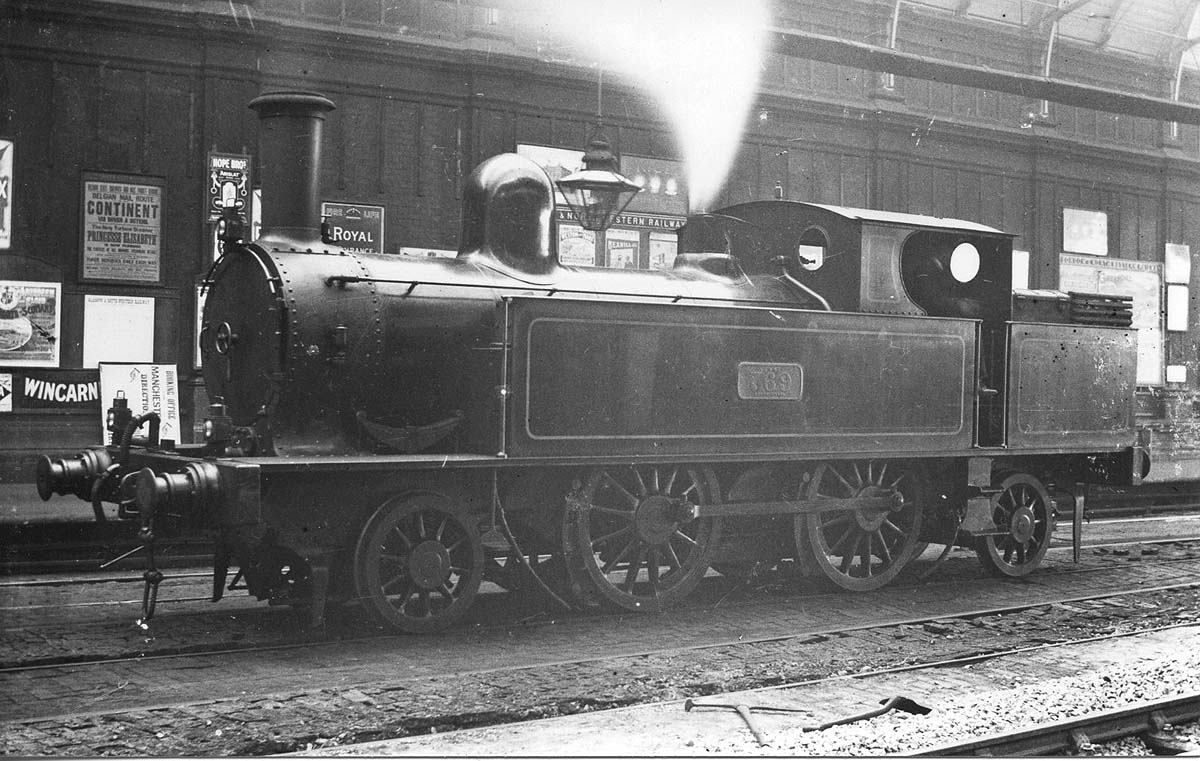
29, 323
576, 246
149, 388
117, 329
354, 227
1142, 281
228, 183
622, 248
122, 230
49, 390
662, 251
6, 186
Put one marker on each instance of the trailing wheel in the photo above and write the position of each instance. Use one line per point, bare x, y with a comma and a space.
862, 548
1024, 521
631, 534
418, 563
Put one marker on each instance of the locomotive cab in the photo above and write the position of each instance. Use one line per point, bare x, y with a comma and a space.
861, 260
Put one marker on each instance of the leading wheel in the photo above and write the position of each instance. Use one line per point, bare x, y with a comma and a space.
631, 534
863, 548
418, 563
1024, 522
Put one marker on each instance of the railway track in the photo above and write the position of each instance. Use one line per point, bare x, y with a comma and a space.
1083, 734
516, 671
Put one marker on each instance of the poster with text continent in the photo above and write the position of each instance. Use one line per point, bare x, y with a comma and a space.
122, 231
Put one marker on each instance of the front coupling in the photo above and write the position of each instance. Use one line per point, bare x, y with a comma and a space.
72, 476
192, 492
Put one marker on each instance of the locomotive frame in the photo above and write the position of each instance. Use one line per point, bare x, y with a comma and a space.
809, 382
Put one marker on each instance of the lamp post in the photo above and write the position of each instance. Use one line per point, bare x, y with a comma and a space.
597, 193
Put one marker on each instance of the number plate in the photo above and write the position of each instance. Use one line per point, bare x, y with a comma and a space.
770, 380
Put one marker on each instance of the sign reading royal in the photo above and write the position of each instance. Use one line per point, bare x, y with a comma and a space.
354, 227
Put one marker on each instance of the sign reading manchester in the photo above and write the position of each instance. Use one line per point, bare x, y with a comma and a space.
355, 227
122, 230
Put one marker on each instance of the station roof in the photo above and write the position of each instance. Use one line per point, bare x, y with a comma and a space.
1165, 31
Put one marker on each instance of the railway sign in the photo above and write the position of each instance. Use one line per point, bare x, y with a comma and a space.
354, 227
148, 387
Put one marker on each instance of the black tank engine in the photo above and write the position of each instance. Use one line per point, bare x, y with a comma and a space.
837, 386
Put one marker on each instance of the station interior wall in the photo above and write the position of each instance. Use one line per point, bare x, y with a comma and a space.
427, 89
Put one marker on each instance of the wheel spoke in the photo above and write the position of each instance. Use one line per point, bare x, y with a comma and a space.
672, 558
626, 514
402, 536
652, 571
641, 484
865, 555
615, 484
620, 556
671, 481
631, 573
847, 534
885, 554
613, 535
849, 488
680, 535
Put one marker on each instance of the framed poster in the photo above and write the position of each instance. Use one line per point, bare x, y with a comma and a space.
228, 183
121, 226
6, 186
576, 246
117, 329
622, 248
30, 316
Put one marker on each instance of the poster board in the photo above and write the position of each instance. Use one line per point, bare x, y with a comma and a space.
622, 248
576, 246
117, 329
148, 387
30, 317
1124, 277
121, 229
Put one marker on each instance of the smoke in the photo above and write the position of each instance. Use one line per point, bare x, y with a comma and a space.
698, 59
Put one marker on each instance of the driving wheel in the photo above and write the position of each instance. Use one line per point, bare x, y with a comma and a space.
631, 534
418, 563
1024, 521
862, 548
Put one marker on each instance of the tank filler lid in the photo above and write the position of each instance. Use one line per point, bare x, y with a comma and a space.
908, 220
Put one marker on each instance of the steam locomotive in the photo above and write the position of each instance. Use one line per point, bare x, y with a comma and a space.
836, 386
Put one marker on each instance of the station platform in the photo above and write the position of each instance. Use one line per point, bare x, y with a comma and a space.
21, 505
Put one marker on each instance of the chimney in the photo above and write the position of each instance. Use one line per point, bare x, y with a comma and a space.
289, 157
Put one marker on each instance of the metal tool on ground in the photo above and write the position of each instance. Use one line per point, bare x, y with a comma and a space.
742, 710
897, 703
